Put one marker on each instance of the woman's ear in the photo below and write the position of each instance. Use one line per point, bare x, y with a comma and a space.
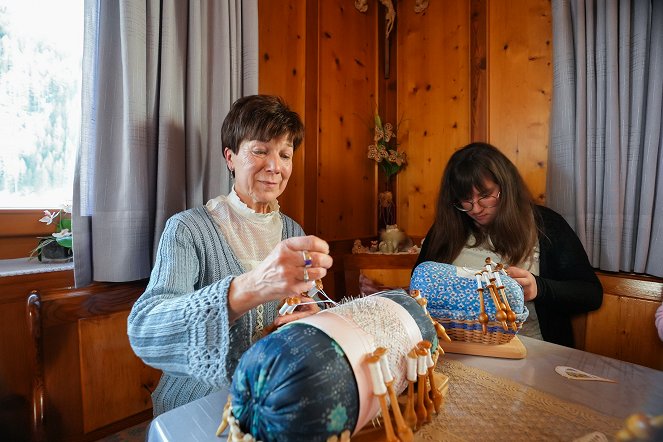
228, 155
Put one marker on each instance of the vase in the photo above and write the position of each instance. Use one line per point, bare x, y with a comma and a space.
386, 209
53, 252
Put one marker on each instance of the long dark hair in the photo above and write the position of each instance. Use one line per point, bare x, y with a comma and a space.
513, 232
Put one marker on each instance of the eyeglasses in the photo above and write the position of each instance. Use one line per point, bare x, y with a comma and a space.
486, 202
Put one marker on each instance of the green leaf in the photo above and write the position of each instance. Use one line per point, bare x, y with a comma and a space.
65, 242
389, 168
65, 224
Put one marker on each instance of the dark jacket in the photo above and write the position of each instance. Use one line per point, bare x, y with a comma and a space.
566, 285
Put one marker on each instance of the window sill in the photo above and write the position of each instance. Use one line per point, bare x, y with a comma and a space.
23, 266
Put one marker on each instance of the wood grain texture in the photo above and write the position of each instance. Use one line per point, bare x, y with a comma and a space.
282, 71
479, 70
83, 338
61, 306
433, 103
520, 85
347, 70
623, 328
21, 229
115, 383
16, 363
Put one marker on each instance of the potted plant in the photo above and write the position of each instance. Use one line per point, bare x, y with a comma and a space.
57, 247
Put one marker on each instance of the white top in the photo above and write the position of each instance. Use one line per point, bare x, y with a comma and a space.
251, 235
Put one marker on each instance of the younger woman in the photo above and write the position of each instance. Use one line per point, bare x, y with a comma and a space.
485, 210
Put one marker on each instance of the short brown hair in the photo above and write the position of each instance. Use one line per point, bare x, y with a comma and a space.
262, 118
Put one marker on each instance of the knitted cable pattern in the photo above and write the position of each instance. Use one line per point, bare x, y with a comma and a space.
180, 324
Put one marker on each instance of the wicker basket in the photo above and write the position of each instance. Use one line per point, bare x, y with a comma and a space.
470, 331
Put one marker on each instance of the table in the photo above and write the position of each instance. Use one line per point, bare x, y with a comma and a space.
638, 389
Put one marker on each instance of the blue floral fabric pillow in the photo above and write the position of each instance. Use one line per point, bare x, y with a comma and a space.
296, 384
452, 292
295, 368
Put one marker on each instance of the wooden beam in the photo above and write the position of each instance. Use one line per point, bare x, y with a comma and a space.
479, 70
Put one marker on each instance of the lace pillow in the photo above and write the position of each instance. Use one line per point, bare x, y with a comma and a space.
308, 380
452, 292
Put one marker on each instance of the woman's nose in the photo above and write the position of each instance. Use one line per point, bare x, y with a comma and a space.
476, 208
274, 163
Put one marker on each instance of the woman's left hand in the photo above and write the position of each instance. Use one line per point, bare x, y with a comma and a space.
525, 279
300, 312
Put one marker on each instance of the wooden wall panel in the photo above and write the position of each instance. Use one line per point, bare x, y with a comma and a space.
433, 102
520, 85
346, 204
462, 70
623, 328
282, 71
112, 376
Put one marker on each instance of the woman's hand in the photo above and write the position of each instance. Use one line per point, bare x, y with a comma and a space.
525, 279
281, 274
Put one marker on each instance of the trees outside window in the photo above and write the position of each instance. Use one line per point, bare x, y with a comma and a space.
41, 45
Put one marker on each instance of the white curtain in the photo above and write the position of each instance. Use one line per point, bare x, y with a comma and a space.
159, 77
605, 173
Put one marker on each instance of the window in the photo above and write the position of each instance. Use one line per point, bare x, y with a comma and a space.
41, 47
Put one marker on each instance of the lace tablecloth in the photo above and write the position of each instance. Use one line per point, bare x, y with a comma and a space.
481, 406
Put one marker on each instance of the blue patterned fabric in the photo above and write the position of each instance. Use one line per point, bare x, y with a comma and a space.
452, 293
295, 371
296, 384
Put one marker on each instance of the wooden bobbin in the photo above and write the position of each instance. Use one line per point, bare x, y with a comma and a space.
436, 396
404, 431
410, 415
380, 390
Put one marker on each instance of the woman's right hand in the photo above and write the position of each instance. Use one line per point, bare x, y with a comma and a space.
281, 274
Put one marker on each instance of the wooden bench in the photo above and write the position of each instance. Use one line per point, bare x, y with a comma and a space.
87, 382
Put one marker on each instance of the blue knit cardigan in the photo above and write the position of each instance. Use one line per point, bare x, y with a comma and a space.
180, 324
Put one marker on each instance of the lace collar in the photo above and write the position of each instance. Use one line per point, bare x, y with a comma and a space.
242, 209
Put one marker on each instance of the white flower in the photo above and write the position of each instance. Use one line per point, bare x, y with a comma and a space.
66, 207
62, 234
49, 217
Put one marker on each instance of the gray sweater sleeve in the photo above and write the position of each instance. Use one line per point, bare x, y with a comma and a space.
177, 325
180, 323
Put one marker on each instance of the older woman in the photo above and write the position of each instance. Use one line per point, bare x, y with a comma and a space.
221, 269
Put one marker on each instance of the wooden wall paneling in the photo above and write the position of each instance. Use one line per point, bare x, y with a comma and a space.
312, 91
433, 102
479, 70
115, 383
282, 71
520, 76
347, 91
623, 328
